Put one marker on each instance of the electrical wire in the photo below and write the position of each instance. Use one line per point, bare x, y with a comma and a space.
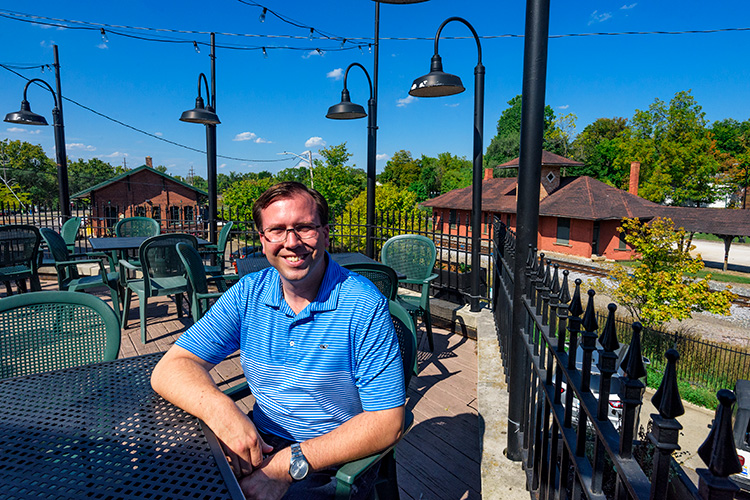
136, 129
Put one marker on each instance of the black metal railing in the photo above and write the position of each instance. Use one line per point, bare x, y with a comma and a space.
572, 448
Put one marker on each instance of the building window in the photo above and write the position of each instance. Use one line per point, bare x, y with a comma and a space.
486, 227
452, 219
550, 177
622, 245
174, 215
563, 231
140, 211
189, 214
156, 213
507, 220
110, 216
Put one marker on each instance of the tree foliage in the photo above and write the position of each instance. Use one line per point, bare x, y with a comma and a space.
733, 143
338, 182
241, 195
31, 170
83, 174
662, 285
402, 170
597, 147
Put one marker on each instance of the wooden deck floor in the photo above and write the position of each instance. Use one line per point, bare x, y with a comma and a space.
439, 457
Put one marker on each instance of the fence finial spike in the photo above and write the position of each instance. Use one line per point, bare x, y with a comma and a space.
565, 288
590, 324
608, 339
548, 274
555, 288
632, 365
667, 398
718, 451
576, 308
540, 267
530, 257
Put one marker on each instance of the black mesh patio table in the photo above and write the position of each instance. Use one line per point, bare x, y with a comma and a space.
100, 431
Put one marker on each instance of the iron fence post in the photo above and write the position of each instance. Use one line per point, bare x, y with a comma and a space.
718, 453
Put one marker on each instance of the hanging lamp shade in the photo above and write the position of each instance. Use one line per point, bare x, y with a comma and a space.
25, 116
436, 83
200, 114
346, 109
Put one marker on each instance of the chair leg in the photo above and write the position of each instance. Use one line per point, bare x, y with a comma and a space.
427, 317
125, 307
9, 288
386, 485
178, 300
143, 306
36, 285
115, 294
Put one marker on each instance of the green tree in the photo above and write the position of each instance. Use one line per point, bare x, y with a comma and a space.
732, 139
14, 196
241, 195
31, 170
402, 170
679, 161
390, 200
296, 174
597, 148
506, 144
662, 285
83, 174
338, 182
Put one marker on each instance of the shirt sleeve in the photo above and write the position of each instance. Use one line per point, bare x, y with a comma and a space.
217, 334
379, 374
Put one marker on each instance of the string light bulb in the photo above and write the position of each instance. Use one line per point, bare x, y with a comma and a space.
343, 42
104, 35
312, 32
197, 49
320, 52
265, 54
262, 17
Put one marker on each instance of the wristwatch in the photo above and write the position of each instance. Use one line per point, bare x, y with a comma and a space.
298, 466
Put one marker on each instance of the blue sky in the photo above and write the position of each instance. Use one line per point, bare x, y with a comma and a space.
278, 103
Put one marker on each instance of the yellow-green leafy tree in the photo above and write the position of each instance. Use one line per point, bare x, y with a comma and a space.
662, 284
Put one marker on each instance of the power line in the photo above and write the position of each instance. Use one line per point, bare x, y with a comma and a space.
136, 129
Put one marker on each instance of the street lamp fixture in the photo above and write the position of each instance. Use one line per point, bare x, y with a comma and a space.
437, 83
27, 117
347, 110
206, 115
308, 160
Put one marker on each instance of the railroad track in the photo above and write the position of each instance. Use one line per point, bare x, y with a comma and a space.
599, 272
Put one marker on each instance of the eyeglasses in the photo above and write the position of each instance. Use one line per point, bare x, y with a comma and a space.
279, 234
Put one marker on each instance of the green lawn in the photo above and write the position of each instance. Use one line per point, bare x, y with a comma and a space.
716, 274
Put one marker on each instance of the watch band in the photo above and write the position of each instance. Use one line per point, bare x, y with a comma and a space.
298, 465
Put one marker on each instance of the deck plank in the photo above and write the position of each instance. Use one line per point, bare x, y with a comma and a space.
438, 459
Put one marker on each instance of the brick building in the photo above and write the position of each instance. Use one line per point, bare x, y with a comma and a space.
144, 192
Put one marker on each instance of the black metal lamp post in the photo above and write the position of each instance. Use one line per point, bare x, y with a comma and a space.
26, 117
207, 116
347, 110
437, 84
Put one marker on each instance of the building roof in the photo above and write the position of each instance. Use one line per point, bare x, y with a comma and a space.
548, 160
498, 195
719, 221
86, 192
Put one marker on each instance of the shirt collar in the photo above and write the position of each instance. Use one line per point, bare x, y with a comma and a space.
328, 293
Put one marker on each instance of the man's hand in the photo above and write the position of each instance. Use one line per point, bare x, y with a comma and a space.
243, 447
269, 481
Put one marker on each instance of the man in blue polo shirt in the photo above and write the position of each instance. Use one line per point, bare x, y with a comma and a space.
318, 350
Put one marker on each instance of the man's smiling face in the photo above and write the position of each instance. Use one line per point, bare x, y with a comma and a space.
299, 262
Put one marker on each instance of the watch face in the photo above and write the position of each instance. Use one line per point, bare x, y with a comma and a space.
298, 469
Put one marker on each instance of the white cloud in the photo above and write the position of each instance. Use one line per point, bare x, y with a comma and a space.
20, 130
565, 106
315, 142
80, 145
158, 134
406, 100
102, 46
316, 52
453, 105
336, 74
628, 7
222, 165
250, 136
599, 17
382, 156
116, 154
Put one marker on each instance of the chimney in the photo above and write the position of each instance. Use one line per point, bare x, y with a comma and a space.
488, 173
635, 173
149, 162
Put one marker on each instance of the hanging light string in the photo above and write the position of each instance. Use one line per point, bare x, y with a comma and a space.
131, 127
344, 43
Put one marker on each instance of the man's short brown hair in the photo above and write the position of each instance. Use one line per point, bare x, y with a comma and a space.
285, 190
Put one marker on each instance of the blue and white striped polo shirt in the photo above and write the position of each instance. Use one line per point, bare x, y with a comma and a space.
309, 372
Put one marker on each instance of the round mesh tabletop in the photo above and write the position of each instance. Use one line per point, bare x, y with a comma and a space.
100, 431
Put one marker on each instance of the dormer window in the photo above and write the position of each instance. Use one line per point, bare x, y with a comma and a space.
550, 177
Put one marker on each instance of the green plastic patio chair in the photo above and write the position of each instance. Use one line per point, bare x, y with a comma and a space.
19, 256
218, 250
68, 277
414, 256
137, 226
163, 273
69, 232
200, 297
382, 276
386, 485
52, 330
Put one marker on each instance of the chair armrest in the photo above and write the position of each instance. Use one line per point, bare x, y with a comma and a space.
349, 472
417, 281
68, 263
209, 295
124, 263
238, 391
